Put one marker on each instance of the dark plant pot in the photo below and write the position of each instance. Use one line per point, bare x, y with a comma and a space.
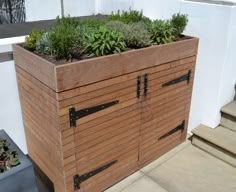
20, 178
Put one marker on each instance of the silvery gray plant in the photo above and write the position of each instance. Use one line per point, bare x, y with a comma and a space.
42, 45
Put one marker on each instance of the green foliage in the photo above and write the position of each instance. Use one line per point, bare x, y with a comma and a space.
104, 42
92, 23
136, 35
42, 45
88, 26
67, 21
31, 40
161, 32
179, 22
131, 16
117, 26
64, 39
70, 37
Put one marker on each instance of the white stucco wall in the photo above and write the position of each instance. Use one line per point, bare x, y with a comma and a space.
211, 23
37, 10
158, 8
107, 6
10, 110
77, 8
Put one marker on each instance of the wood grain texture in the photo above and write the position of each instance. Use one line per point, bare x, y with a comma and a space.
38, 67
69, 76
127, 132
75, 75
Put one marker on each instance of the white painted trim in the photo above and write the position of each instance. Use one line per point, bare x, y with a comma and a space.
6, 44
217, 2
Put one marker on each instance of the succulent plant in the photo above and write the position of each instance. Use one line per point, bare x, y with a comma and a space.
8, 158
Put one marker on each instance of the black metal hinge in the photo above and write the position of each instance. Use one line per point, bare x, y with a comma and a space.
179, 79
145, 85
75, 115
138, 86
179, 127
79, 179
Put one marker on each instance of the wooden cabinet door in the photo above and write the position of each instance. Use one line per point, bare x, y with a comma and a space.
125, 122
106, 133
165, 109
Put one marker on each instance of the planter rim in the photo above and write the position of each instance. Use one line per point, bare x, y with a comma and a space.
62, 77
189, 38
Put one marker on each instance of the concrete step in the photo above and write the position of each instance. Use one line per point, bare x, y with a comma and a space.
220, 142
228, 118
230, 109
228, 121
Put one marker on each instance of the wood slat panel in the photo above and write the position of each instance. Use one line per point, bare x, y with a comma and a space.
150, 140
108, 132
36, 82
109, 156
125, 98
99, 114
122, 95
73, 75
126, 168
107, 145
159, 150
108, 83
127, 132
119, 87
40, 68
119, 81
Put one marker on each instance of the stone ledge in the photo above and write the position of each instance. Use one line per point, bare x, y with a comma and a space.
230, 109
22, 29
216, 2
221, 137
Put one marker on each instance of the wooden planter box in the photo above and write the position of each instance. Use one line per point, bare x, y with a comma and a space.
91, 123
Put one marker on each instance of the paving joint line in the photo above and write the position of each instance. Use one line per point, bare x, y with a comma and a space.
188, 145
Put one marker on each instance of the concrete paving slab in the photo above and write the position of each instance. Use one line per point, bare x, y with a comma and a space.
144, 184
126, 182
165, 157
193, 170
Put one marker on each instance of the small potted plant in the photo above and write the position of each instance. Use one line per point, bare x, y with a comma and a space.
16, 171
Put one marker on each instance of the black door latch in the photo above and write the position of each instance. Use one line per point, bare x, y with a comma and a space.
138, 86
145, 85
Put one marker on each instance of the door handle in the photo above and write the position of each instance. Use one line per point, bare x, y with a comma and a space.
145, 85
138, 86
